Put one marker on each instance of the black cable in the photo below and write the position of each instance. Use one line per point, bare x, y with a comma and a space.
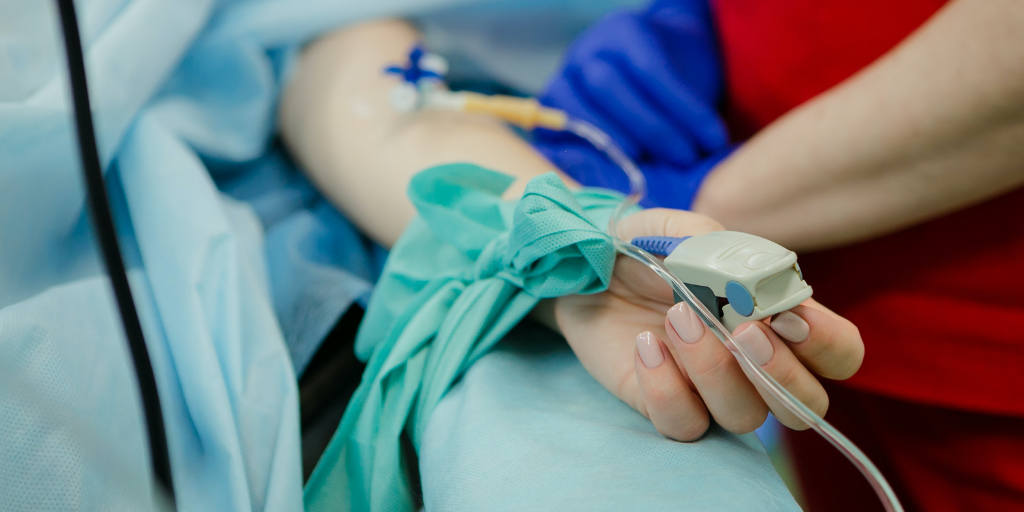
104, 224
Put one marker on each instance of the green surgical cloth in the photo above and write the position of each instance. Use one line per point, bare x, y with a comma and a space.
465, 272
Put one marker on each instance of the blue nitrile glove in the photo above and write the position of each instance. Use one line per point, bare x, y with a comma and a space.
668, 185
650, 79
581, 162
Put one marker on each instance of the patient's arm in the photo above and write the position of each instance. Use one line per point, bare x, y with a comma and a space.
337, 120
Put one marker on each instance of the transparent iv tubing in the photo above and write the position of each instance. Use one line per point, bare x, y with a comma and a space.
638, 188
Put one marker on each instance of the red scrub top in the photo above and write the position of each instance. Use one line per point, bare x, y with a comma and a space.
941, 305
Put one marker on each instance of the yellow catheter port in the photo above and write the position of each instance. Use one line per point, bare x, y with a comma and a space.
526, 113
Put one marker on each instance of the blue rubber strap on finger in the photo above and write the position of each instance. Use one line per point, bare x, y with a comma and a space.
658, 245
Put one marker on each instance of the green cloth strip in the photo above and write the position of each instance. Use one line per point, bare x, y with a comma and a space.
465, 272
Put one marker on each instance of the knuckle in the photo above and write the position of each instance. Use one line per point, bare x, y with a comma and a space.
690, 429
713, 368
841, 354
661, 395
792, 423
711, 225
668, 222
747, 421
789, 377
850, 365
822, 349
627, 389
816, 399
679, 223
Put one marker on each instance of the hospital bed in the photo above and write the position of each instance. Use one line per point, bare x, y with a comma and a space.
241, 270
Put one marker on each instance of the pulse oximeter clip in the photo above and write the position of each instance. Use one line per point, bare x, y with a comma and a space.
737, 276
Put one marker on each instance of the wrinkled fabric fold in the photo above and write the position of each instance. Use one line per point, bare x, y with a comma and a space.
240, 268
465, 272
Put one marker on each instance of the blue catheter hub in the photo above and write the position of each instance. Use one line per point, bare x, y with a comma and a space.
414, 72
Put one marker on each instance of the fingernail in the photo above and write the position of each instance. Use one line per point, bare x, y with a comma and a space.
650, 350
789, 325
755, 344
686, 323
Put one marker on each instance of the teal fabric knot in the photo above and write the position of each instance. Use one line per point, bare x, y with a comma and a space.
554, 248
551, 239
465, 272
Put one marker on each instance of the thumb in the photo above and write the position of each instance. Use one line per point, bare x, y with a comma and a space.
666, 222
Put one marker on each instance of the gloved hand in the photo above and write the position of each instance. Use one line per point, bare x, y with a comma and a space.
672, 186
668, 185
650, 79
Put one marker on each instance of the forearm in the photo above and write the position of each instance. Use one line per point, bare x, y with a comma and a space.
336, 119
934, 126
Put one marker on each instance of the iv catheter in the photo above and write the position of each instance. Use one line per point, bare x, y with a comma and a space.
423, 87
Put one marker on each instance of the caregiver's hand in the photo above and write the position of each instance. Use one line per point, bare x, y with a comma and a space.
649, 78
673, 369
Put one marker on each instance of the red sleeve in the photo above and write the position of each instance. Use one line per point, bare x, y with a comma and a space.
941, 305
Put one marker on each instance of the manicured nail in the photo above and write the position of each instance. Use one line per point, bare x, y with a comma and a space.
789, 325
755, 344
650, 349
686, 323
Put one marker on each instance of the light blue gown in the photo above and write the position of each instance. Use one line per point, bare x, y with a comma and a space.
238, 267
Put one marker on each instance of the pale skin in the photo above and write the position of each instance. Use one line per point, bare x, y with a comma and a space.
932, 127
336, 119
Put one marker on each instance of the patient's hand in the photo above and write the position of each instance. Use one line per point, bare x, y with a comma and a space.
673, 369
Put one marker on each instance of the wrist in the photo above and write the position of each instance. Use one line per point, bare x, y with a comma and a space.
544, 313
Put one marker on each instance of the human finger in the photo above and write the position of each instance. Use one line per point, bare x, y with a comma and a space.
727, 392
827, 343
769, 351
639, 280
636, 276
666, 222
665, 395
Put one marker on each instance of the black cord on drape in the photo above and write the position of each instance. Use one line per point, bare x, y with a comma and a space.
104, 227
